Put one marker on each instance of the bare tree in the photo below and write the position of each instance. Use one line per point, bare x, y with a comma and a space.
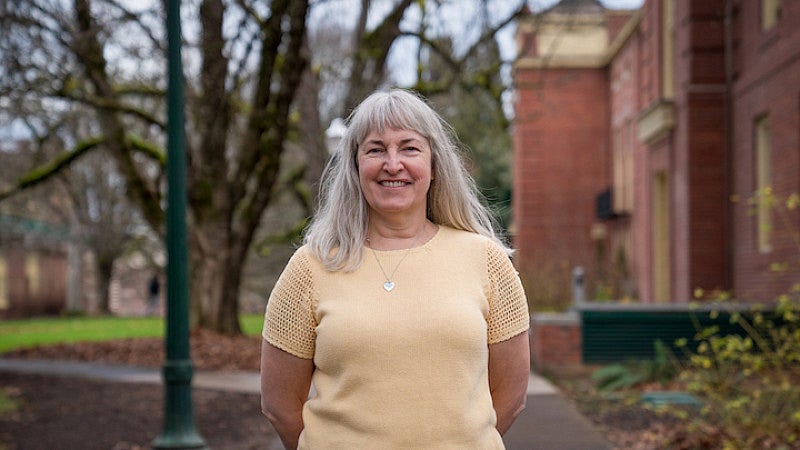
106, 220
246, 61
239, 99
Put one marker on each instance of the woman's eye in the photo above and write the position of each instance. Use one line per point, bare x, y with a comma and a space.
411, 149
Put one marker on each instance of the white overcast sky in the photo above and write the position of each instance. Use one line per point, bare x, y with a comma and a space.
346, 11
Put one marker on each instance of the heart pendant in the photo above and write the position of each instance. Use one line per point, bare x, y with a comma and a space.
389, 285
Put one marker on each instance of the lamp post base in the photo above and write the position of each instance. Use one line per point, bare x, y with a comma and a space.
179, 429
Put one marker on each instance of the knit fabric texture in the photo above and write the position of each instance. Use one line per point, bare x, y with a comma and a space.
406, 368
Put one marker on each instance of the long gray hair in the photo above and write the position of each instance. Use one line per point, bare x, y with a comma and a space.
338, 230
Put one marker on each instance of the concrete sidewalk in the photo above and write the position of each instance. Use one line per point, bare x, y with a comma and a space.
548, 422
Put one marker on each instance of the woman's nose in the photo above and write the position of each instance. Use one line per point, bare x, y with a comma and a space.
393, 163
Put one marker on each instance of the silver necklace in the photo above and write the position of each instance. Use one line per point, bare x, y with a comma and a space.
388, 285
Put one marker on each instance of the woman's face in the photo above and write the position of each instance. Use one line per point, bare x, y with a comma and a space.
395, 171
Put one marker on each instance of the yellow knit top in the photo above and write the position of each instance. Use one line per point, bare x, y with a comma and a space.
405, 369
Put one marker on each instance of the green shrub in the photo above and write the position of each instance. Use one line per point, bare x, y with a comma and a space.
749, 385
661, 369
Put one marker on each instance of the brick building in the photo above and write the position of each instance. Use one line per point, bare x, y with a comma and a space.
640, 138
33, 267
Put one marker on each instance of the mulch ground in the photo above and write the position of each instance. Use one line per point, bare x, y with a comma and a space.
71, 413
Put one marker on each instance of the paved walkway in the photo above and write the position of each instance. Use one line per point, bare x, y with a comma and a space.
549, 422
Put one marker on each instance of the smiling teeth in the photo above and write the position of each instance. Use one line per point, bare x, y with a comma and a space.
393, 183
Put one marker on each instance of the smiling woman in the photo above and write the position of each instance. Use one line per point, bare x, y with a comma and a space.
423, 346
394, 168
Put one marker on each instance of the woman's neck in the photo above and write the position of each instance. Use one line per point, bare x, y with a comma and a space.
386, 235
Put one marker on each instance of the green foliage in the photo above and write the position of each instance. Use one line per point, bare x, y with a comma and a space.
750, 385
661, 369
252, 324
16, 334
481, 127
617, 376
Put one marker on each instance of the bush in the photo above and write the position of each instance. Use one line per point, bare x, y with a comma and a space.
749, 385
661, 369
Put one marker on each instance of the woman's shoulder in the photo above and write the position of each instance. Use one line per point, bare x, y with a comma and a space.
456, 237
303, 257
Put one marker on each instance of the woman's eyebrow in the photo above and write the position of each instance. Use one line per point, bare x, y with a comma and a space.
402, 141
408, 140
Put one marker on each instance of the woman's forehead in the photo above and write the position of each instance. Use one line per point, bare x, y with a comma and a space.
393, 131
396, 119
393, 135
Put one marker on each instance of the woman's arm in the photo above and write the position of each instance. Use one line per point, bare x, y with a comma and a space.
509, 370
285, 383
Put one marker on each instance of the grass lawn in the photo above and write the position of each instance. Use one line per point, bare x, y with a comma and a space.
15, 334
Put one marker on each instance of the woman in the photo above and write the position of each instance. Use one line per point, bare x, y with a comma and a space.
402, 307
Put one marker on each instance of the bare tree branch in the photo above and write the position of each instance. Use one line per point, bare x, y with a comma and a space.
369, 60
48, 170
89, 51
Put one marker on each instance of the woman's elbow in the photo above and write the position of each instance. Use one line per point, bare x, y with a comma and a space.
519, 406
508, 412
267, 411
287, 423
276, 415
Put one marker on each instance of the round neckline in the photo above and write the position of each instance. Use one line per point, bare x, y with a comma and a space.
410, 249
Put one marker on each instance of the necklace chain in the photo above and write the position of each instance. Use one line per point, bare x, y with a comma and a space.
388, 285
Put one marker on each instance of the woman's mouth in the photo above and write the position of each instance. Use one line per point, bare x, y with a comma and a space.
392, 184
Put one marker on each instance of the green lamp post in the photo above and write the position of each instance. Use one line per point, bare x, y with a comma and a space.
179, 430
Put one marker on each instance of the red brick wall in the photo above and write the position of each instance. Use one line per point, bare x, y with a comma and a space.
646, 43
562, 138
560, 164
631, 79
767, 83
616, 20
555, 341
699, 183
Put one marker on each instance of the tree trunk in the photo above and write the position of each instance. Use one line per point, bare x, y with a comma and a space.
213, 284
74, 252
104, 270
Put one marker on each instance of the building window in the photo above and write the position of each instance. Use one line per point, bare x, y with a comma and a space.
763, 167
33, 273
770, 13
661, 238
622, 146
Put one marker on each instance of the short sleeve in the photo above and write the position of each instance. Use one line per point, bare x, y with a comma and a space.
289, 322
508, 306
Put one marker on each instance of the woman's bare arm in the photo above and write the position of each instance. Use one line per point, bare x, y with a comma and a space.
509, 370
285, 383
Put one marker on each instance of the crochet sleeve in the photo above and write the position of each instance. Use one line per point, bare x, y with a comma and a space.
289, 322
508, 306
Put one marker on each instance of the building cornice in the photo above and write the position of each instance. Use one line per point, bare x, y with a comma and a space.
624, 34
576, 61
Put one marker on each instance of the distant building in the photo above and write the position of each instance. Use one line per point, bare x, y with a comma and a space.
33, 267
640, 138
